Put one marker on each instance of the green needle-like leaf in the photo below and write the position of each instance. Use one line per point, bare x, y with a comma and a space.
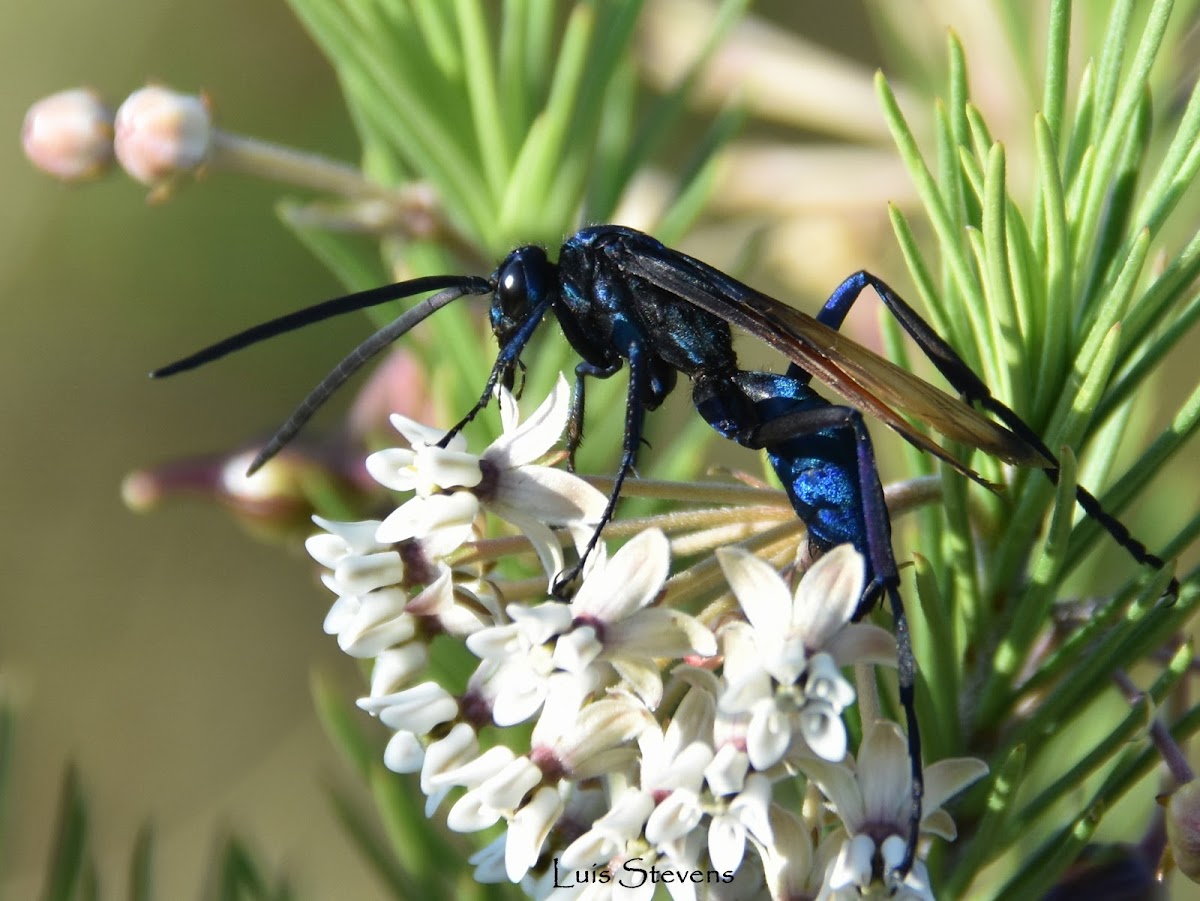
141, 866
70, 860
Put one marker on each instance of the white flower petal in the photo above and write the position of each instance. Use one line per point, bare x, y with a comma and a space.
853, 866
760, 591
767, 737
521, 688
742, 661
884, 773
914, 886
419, 517
674, 817
476, 771
342, 612
360, 573
489, 861
470, 814
496, 642
457, 748
404, 753
788, 859
416, 433
539, 433
610, 833
631, 579
686, 769
549, 495
825, 682
726, 843
726, 774
575, 651
394, 468
746, 694
379, 623
946, 778
440, 468
939, 823
601, 726
823, 730
783, 656
341, 539
505, 789
418, 709
828, 595
396, 666
752, 807
528, 830
862, 643
542, 622
838, 784
544, 542
659, 632
692, 721
643, 676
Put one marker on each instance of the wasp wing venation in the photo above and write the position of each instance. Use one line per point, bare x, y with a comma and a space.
868, 382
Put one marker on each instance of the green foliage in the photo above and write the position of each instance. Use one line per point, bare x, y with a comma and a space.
1057, 302
527, 121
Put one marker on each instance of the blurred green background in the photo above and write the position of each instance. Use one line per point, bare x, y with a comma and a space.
167, 655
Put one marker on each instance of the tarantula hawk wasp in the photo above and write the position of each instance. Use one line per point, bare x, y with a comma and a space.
622, 299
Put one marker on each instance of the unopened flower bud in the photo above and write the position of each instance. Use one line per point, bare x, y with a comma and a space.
278, 501
1183, 829
69, 135
162, 134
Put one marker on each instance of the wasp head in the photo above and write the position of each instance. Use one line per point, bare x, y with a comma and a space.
521, 285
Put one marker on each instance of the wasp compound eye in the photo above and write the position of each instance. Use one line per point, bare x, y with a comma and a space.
511, 289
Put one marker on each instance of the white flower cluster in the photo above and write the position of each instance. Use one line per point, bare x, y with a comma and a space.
707, 758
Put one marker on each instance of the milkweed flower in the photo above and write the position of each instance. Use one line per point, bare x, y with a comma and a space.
608, 629
452, 486
782, 663
873, 799
661, 733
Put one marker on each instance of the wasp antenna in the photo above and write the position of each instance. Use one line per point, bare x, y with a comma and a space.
325, 310
355, 361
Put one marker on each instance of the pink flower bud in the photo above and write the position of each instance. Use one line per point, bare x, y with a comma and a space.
161, 134
69, 135
276, 502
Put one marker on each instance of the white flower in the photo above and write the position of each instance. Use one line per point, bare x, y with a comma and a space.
873, 800
789, 629
418, 709
787, 859
612, 622
583, 739
607, 628
781, 668
458, 748
745, 814
448, 519
528, 829
368, 624
503, 479
612, 833
514, 685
